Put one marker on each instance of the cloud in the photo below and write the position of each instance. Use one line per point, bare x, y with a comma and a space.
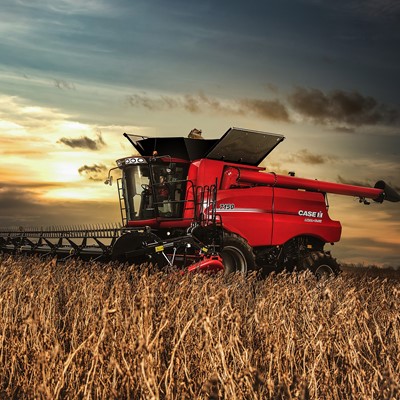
31, 187
198, 103
275, 166
272, 87
20, 204
95, 172
306, 157
368, 251
371, 234
22, 207
193, 103
67, 6
377, 9
12, 202
64, 85
84, 142
160, 103
268, 109
33, 154
345, 181
344, 129
340, 107
27, 117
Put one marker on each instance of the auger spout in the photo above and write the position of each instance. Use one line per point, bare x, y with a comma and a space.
388, 193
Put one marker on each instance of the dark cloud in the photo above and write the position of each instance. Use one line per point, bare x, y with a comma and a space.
19, 207
269, 109
95, 172
340, 179
191, 103
24, 153
365, 249
343, 110
272, 88
161, 103
276, 167
344, 129
201, 101
340, 107
84, 142
197, 103
12, 198
194, 103
64, 85
27, 186
306, 157
345, 181
376, 9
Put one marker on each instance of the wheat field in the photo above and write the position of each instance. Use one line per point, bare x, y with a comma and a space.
95, 331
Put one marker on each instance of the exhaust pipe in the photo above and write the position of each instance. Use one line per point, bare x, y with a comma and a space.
388, 193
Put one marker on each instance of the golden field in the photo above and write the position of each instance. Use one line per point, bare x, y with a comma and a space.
95, 331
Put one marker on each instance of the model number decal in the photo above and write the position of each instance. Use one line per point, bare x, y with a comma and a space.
226, 206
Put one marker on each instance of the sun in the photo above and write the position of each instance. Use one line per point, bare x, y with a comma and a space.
65, 172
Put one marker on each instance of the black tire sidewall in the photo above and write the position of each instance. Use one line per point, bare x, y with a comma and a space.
241, 245
319, 259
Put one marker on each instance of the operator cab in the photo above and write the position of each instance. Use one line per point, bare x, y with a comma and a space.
152, 188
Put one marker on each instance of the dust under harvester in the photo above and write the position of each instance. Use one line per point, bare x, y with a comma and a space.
207, 205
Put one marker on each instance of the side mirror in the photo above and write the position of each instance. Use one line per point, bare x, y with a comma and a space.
109, 180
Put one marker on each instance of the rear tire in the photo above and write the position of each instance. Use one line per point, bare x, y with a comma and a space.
237, 255
322, 265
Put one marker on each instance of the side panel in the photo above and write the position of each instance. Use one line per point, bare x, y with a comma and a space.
298, 212
247, 212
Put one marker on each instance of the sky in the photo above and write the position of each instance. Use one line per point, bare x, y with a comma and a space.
75, 75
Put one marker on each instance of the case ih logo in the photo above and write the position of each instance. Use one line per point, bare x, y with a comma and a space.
313, 214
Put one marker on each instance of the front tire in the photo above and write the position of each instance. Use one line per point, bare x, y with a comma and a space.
237, 255
322, 264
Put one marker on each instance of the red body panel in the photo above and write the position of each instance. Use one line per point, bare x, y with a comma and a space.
247, 212
272, 216
302, 213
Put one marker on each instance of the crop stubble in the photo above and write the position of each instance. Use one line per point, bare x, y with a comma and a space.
79, 330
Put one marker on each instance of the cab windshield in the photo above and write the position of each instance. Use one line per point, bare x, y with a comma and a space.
154, 190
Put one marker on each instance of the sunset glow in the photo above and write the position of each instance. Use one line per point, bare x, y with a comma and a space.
66, 172
324, 75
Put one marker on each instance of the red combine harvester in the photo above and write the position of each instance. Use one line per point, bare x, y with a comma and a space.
206, 205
